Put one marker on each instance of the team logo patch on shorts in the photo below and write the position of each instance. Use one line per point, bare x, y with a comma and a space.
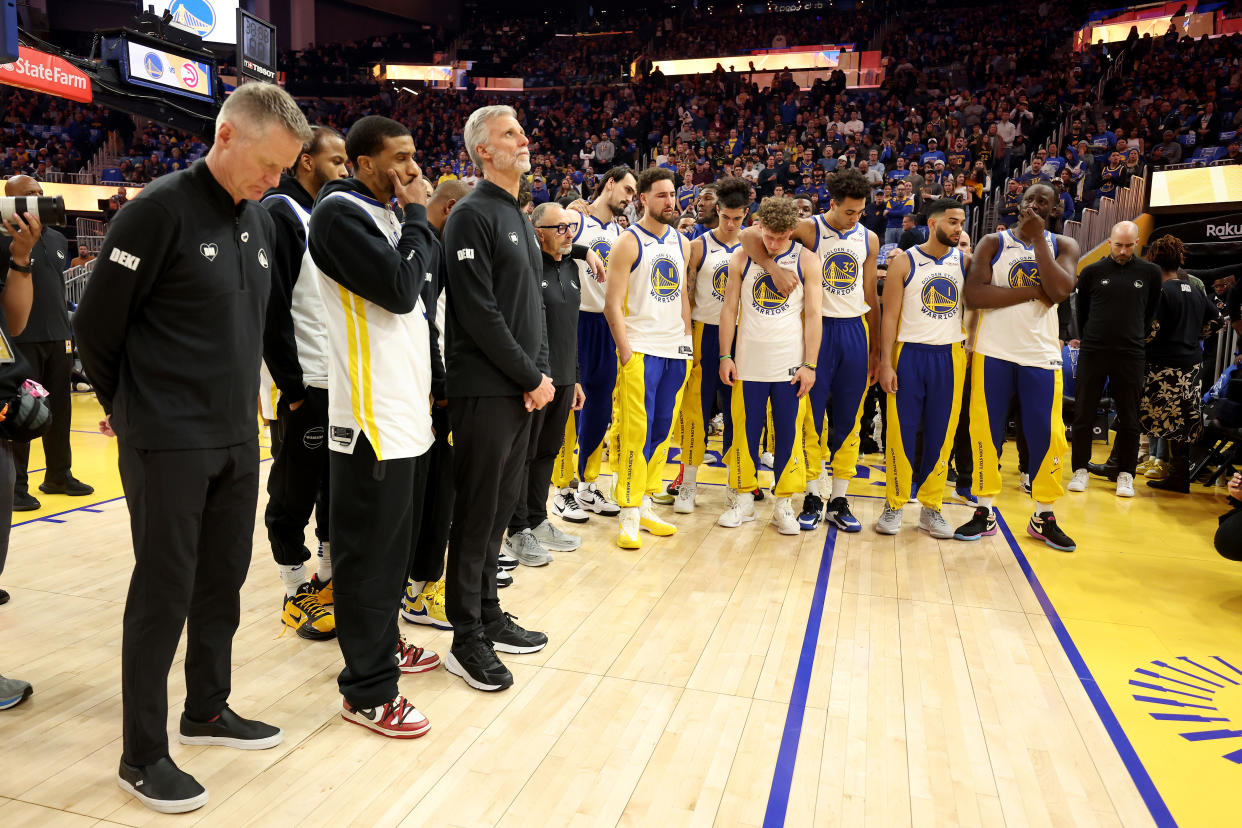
313, 438
340, 435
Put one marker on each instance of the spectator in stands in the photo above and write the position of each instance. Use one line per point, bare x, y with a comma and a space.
84, 256
1172, 151
901, 205
1233, 155
910, 235
1011, 203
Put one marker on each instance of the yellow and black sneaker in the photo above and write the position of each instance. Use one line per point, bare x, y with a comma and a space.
323, 590
308, 618
426, 607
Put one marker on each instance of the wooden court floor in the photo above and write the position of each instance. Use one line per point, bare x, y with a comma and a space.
731, 677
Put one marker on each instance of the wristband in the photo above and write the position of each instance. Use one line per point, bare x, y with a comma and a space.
810, 365
723, 357
20, 268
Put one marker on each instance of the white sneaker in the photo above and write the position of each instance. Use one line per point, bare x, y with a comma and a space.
684, 504
784, 518
627, 536
742, 511
1081, 476
1125, 484
934, 524
527, 550
889, 522
565, 506
591, 499
766, 458
1024, 483
550, 537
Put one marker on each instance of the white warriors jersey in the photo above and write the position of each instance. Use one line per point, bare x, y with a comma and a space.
1027, 334
653, 299
379, 368
709, 283
307, 311
600, 238
841, 257
931, 308
769, 328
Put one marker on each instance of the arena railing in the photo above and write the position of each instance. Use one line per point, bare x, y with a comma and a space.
90, 232
75, 281
1097, 223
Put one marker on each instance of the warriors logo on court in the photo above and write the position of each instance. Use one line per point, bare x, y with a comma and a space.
765, 297
602, 248
1024, 274
719, 277
1199, 697
665, 279
939, 296
840, 273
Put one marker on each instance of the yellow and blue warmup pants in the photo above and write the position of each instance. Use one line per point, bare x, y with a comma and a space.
994, 384
702, 388
929, 395
597, 367
750, 412
649, 391
841, 373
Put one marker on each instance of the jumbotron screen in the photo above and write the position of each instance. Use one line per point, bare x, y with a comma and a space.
212, 20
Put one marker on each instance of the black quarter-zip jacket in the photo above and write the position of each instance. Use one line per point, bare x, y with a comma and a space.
170, 326
562, 296
280, 347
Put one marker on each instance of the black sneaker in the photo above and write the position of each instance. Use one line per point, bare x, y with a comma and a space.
230, 730
758, 493
69, 486
474, 659
508, 637
839, 513
162, 786
4, 597
812, 512
1106, 470
1044, 526
950, 476
25, 502
982, 523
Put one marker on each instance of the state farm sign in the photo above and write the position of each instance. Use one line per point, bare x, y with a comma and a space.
41, 72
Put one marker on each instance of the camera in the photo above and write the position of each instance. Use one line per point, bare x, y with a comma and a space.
49, 209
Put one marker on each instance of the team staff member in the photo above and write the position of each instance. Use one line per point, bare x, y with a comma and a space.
15, 303
170, 332
47, 346
373, 266
648, 310
775, 333
295, 351
1016, 278
498, 373
925, 372
1117, 301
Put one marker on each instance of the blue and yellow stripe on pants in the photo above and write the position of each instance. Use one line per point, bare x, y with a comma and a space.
750, 412
929, 397
993, 385
649, 394
597, 364
842, 374
702, 388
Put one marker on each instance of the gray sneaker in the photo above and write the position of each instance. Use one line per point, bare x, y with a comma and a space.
13, 692
889, 522
527, 550
550, 537
934, 523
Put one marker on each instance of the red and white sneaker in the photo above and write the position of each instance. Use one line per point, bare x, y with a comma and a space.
396, 718
414, 659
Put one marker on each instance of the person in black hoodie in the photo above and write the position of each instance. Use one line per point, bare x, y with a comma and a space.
374, 263
498, 373
170, 333
295, 350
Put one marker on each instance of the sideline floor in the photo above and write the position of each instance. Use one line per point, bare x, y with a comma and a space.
935, 690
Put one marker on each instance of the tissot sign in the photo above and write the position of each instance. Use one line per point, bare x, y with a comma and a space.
41, 72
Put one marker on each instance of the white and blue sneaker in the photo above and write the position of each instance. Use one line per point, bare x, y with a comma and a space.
839, 514
964, 494
811, 514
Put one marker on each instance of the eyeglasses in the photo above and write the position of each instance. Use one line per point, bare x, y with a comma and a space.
561, 229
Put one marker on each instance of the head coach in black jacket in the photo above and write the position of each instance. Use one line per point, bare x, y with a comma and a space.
498, 373
170, 331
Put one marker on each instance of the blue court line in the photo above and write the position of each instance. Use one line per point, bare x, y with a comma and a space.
1142, 779
52, 517
782, 776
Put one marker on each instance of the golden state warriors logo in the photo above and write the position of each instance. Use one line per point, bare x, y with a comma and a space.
665, 279
939, 297
1024, 274
840, 273
766, 298
719, 277
153, 65
602, 248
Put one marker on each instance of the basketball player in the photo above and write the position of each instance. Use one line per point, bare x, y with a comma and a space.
846, 361
295, 352
775, 333
597, 359
1016, 278
705, 209
708, 267
648, 311
924, 374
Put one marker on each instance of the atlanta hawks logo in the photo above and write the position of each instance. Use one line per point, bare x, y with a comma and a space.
1024, 274
665, 279
939, 297
719, 277
602, 248
840, 273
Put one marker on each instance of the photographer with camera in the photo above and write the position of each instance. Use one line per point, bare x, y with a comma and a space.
47, 345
